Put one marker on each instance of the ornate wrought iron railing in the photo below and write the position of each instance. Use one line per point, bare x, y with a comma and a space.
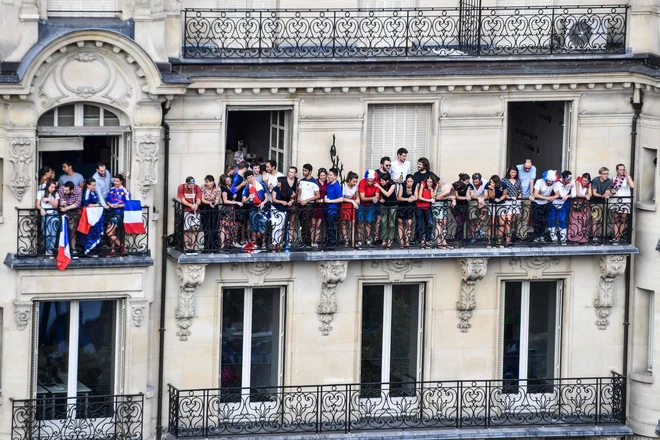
353, 34
203, 413
319, 227
38, 235
81, 418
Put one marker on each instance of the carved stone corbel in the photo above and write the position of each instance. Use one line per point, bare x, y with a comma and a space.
332, 273
22, 313
611, 266
190, 276
396, 269
138, 313
20, 156
534, 266
146, 154
472, 270
257, 272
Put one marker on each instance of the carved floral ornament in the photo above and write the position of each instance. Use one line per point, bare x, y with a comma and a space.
138, 311
332, 273
190, 276
472, 270
20, 156
257, 272
611, 266
146, 154
396, 269
22, 313
534, 265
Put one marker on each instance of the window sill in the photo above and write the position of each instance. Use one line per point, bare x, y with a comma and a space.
642, 377
646, 206
131, 261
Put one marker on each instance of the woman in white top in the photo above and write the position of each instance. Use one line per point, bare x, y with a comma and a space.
619, 201
579, 219
47, 202
349, 206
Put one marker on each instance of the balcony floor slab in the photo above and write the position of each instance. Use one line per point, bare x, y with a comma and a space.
38, 263
389, 254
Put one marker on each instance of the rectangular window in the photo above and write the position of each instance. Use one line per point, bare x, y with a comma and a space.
76, 355
530, 335
252, 339
388, 4
391, 339
391, 126
82, 5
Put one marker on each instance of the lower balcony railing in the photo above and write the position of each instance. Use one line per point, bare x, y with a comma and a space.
80, 418
317, 227
38, 234
202, 413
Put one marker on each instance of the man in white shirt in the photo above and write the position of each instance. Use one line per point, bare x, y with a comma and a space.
308, 192
400, 168
545, 190
271, 174
565, 190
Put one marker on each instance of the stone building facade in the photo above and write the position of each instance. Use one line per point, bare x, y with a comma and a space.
563, 335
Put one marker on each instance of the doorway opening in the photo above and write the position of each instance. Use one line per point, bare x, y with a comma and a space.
540, 131
261, 135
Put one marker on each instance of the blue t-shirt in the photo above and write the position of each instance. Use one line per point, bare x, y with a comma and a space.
525, 177
334, 192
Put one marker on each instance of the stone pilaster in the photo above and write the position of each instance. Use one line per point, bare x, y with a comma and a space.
190, 276
472, 270
332, 273
611, 266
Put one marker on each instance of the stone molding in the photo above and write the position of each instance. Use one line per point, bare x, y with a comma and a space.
146, 155
190, 276
332, 273
611, 266
138, 308
20, 156
257, 272
534, 266
472, 270
22, 313
396, 269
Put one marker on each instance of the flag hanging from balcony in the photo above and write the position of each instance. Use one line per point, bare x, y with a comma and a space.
64, 252
133, 217
91, 224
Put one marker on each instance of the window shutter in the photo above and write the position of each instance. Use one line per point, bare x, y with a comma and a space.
83, 6
125, 162
261, 4
393, 126
35, 350
389, 4
524, 3
230, 4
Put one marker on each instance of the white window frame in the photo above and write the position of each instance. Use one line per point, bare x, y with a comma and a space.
78, 115
277, 148
247, 335
651, 330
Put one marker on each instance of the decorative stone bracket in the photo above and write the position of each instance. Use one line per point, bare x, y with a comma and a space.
256, 273
22, 313
332, 273
190, 276
146, 154
611, 266
20, 156
396, 269
138, 308
472, 270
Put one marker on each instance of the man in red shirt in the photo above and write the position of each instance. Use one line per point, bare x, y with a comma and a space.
190, 196
366, 213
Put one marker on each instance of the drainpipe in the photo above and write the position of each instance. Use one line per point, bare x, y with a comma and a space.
163, 271
636, 102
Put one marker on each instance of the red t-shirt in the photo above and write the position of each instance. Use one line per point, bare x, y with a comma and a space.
426, 193
254, 190
368, 191
189, 195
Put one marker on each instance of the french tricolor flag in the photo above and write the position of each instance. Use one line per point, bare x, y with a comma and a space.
133, 217
64, 252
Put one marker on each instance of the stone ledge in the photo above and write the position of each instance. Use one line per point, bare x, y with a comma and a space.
463, 433
382, 254
12, 262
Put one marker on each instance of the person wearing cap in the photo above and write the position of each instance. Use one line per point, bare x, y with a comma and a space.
477, 212
545, 191
562, 206
366, 214
190, 196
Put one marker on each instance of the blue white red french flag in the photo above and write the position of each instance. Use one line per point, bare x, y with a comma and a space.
64, 252
133, 217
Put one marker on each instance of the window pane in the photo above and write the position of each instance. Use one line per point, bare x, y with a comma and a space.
273, 137
110, 119
542, 325
265, 339
65, 116
404, 337
91, 116
53, 348
511, 355
372, 337
232, 338
280, 139
47, 119
97, 333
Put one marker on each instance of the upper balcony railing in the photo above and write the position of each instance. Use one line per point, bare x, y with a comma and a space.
358, 34
320, 227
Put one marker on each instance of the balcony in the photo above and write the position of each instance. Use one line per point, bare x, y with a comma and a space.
471, 30
82, 418
476, 405
37, 241
233, 235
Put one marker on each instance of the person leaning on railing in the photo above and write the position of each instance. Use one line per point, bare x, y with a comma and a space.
579, 219
227, 220
283, 199
209, 213
333, 199
189, 194
117, 197
406, 198
255, 197
47, 203
70, 203
622, 186
600, 192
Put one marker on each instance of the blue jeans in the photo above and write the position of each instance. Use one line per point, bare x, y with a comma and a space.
424, 224
50, 227
332, 228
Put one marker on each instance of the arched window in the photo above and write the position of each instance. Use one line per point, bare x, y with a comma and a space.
79, 115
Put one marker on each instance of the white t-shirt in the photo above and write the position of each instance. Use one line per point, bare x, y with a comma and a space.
397, 169
545, 190
623, 191
349, 193
47, 205
478, 192
307, 188
563, 191
271, 180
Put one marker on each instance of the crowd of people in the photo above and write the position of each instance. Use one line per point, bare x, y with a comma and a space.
71, 192
256, 207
